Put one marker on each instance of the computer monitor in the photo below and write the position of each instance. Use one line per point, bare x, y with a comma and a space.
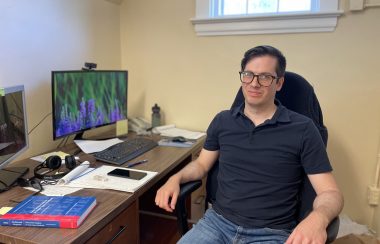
13, 133
83, 100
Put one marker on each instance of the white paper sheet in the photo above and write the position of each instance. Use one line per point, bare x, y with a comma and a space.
172, 131
89, 146
99, 179
43, 157
55, 190
74, 173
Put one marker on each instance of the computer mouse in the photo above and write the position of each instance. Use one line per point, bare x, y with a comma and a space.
179, 139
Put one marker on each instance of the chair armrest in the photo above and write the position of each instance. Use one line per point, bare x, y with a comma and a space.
188, 188
332, 230
180, 209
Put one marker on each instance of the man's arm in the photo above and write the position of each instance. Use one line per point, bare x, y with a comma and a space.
327, 205
195, 170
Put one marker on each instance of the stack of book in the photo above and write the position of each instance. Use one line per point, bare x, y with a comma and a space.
50, 211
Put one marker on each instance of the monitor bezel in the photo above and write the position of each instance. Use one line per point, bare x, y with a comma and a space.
5, 91
80, 71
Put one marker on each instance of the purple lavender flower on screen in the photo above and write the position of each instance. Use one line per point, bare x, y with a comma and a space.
82, 107
91, 105
79, 120
99, 117
75, 122
65, 125
115, 113
64, 122
91, 120
87, 123
91, 116
112, 116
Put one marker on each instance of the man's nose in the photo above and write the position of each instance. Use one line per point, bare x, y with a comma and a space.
255, 82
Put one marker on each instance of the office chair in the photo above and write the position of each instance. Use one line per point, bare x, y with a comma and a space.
297, 95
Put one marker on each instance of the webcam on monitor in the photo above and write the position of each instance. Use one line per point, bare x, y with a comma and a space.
89, 66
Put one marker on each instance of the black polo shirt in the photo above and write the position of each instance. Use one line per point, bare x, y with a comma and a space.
261, 167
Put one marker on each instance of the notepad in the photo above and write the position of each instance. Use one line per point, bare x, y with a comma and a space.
99, 179
43, 157
169, 143
4, 210
90, 146
172, 131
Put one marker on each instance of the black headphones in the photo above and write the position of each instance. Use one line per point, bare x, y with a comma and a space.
53, 163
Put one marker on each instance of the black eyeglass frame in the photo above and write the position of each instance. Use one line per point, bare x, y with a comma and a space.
36, 184
258, 79
32, 182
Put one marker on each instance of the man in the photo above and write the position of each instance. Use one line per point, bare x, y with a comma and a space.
263, 149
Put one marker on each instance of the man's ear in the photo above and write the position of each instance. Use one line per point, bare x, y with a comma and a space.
279, 83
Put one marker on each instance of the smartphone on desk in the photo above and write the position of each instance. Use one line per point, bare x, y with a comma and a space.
126, 173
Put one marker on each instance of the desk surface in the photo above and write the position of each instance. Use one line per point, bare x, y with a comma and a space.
110, 203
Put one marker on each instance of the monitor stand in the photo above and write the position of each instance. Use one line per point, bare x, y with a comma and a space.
79, 136
9, 176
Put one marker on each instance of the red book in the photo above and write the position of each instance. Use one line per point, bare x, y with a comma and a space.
50, 211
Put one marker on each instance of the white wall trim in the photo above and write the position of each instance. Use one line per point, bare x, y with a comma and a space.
323, 20
358, 5
264, 24
372, 3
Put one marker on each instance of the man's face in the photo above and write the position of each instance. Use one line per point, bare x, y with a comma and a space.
256, 95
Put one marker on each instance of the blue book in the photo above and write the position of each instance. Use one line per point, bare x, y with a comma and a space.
50, 211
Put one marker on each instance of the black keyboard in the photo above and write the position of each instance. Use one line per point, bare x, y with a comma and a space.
125, 151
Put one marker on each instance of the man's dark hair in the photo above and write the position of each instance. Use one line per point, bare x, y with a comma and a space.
260, 51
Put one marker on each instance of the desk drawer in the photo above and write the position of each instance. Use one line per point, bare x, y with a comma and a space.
122, 229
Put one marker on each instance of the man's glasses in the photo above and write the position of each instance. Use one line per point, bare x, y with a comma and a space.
36, 185
33, 182
246, 77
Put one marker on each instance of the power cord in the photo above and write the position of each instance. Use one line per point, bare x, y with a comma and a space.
60, 143
63, 141
39, 123
67, 138
47, 115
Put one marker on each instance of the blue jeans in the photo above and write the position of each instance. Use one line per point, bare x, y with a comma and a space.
214, 228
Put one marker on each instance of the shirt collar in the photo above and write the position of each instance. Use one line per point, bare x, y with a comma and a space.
281, 114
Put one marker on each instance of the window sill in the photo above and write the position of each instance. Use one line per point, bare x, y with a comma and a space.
267, 24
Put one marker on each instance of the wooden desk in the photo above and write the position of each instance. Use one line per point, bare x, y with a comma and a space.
114, 211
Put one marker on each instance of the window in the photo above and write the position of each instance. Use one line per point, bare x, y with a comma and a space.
234, 17
245, 7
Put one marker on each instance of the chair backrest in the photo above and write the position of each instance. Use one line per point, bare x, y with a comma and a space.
297, 95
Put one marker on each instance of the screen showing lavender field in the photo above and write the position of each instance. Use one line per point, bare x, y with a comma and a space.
87, 99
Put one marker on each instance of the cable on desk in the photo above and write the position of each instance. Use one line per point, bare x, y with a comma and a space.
39, 123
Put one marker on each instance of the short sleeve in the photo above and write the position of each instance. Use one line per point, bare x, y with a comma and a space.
212, 140
314, 157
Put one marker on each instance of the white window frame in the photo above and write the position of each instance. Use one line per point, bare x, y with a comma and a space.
325, 20
215, 8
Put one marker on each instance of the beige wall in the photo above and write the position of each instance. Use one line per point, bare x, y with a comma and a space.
192, 78
40, 36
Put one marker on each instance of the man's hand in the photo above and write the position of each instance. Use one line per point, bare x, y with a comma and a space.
169, 190
327, 205
195, 170
312, 230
